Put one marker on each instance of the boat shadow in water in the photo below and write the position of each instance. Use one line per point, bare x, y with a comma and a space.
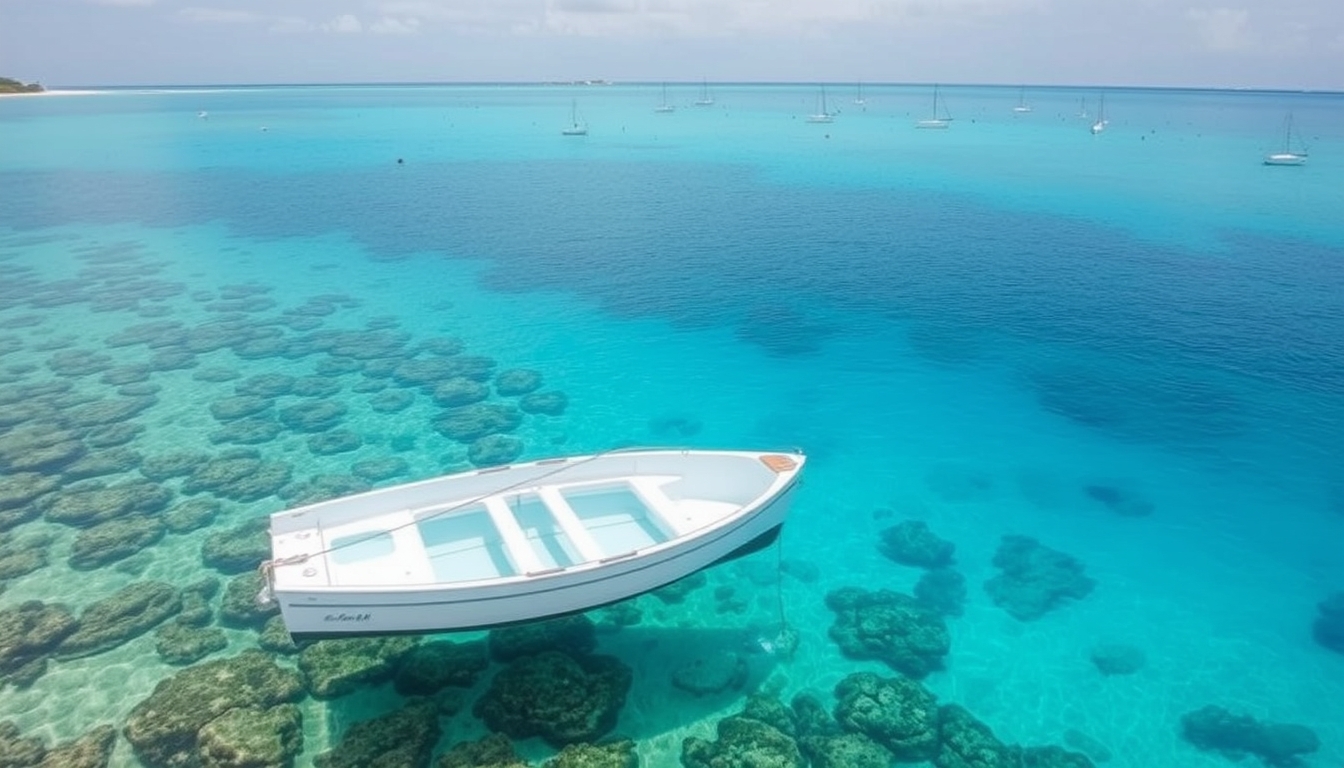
684, 675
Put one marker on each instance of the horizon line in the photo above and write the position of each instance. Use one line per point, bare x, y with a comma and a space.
603, 82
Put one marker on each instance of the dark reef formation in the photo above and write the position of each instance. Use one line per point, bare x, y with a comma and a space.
890, 627
1328, 629
1034, 578
1278, 745
910, 542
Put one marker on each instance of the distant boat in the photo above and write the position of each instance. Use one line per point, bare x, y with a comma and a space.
822, 115
203, 115
1022, 105
664, 107
1082, 108
518, 543
1289, 155
858, 97
935, 121
1101, 122
575, 127
706, 98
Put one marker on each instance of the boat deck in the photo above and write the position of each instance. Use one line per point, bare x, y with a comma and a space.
526, 531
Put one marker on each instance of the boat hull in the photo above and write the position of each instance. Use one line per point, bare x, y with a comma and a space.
1285, 158
327, 612
360, 630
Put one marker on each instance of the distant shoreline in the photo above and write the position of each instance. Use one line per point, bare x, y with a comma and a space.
29, 94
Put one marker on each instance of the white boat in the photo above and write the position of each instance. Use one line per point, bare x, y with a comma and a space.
1022, 105
822, 115
575, 127
1290, 155
1101, 122
665, 107
706, 98
935, 121
858, 97
522, 542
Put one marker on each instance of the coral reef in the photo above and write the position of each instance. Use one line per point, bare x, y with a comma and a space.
92, 750
472, 422
711, 672
459, 391
517, 381
612, 754
896, 712
891, 627
910, 542
114, 540
239, 607
493, 450
1119, 499
1278, 745
556, 696
333, 668
1117, 659
494, 750
29, 635
126, 614
548, 403
942, 590
238, 549
1035, 578
180, 644
252, 736
743, 742
90, 502
164, 729
575, 635
428, 668
1328, 629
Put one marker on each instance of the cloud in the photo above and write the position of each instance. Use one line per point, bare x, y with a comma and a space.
346, 23
1221, 29
685, 18
628, 19
218, 16
395, 26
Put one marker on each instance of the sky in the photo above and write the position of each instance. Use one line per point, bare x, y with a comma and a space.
1291, 44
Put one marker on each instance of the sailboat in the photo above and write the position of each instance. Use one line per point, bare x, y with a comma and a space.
822, 115
664, 107
858, 97
1022, 105
1288, 156
1100, 124
706, 98
935, 121
575, 127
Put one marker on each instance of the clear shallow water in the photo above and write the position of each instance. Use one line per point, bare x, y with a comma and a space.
966, 327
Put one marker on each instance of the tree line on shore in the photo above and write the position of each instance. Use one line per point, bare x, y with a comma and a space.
8, 85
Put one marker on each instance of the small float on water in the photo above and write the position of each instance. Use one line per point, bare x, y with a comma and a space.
522, 542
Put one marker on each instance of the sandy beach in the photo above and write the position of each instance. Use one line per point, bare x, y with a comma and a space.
56, 92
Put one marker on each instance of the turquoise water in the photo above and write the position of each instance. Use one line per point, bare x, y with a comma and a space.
969, 327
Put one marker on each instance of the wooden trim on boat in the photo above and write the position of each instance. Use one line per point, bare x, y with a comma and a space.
779, 463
